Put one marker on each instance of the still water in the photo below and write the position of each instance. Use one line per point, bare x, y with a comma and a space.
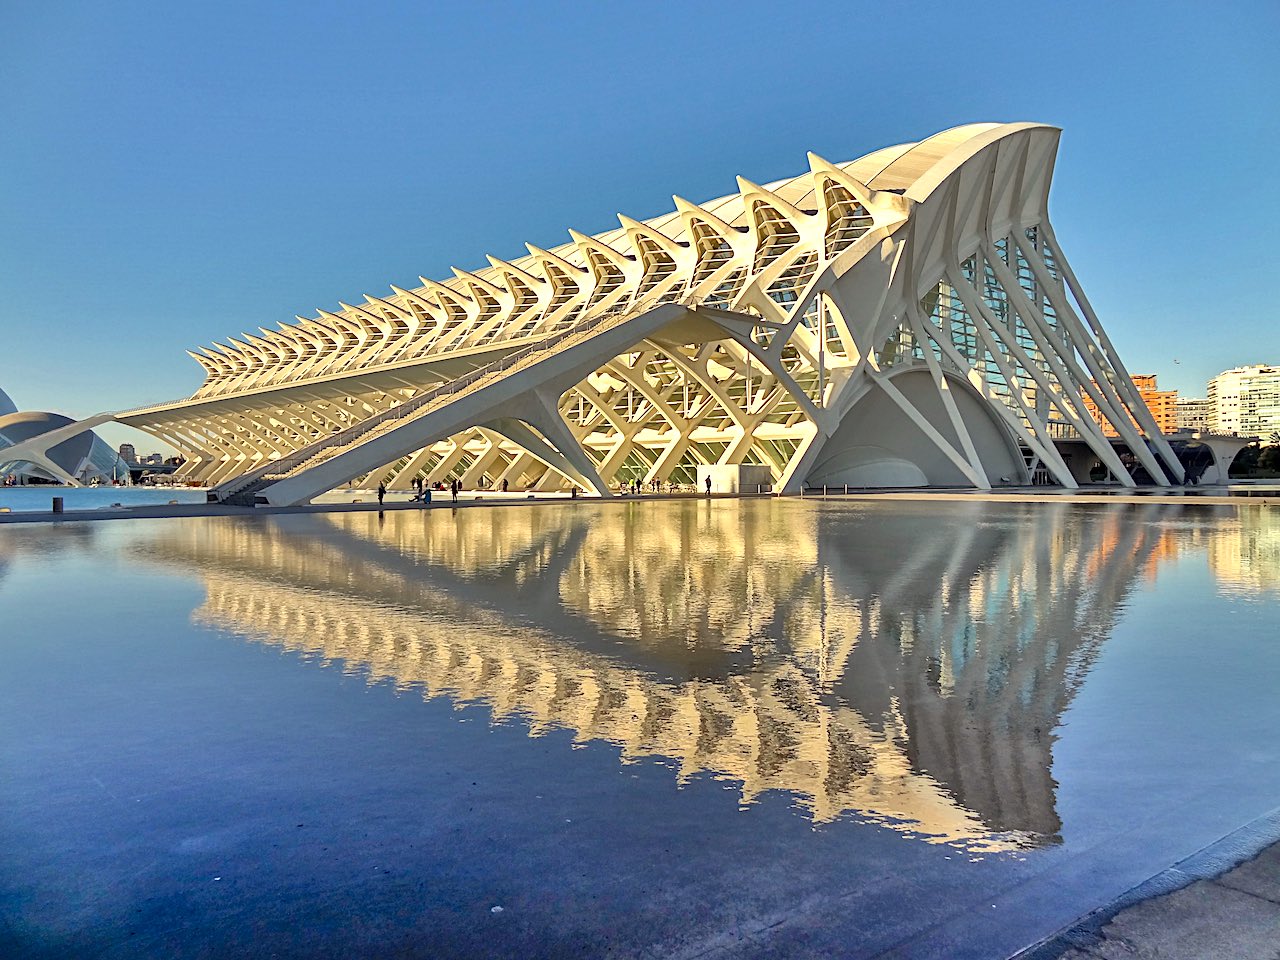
40, 498
672, 728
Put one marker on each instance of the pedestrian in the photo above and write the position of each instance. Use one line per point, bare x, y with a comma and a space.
454, 486
708, 486
504, 486
382, 493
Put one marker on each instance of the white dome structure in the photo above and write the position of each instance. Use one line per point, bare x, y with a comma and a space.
84, 457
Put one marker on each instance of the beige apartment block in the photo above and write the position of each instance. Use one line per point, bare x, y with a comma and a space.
1246, 400
1193, 413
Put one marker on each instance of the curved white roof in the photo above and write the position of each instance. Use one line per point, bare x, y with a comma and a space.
468, 301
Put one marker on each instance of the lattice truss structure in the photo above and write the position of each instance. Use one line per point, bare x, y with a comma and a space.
903, 319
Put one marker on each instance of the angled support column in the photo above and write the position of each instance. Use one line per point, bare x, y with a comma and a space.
1062, 364
568, 457
411, 469
974, 475
483, 463
45, 463
522, 436
624, 430
382, 476
990, 327
1016, 295
1042, 448
821, 421
1133, 400
519, 466
949, 403
449, 462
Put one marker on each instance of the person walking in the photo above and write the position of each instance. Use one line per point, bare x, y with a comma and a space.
382, 493
708, 486
454, 485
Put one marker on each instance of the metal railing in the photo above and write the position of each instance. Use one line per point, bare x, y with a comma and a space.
151, 406
325, 448
1061, 430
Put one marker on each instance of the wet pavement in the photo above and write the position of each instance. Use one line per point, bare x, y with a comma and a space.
670, 728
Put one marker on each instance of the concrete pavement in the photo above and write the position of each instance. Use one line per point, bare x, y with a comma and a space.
1196, 910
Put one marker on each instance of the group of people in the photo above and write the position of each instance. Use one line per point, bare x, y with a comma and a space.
654, 486
422, 493
635, 486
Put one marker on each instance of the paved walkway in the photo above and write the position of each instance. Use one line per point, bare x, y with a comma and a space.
1197, 910
364, 500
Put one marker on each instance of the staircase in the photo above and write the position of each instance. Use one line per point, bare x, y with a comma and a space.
243, 490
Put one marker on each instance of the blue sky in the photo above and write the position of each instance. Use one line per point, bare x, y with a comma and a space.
173, 174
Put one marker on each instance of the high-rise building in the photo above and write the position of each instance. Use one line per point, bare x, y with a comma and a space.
1246, 400
1194, 413
1161, 403
128, 453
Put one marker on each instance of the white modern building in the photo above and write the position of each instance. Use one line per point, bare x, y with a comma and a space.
78, 458
1194, 414
1246, 400
904, 319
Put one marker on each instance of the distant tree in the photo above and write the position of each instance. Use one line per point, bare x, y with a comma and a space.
1269, 459
1246, 461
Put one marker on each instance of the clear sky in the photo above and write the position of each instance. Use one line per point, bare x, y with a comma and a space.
173, 174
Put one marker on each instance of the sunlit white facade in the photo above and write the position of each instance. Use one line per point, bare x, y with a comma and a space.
1246, 401
904, 319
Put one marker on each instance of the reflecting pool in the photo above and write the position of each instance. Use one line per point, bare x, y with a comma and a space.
666, 728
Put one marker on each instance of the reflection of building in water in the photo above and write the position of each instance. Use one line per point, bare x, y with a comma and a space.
862, 659
45, 539
1249, 561
42, 540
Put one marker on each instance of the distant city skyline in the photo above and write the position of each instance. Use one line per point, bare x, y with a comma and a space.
166, 195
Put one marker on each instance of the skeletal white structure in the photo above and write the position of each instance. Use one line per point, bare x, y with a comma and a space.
904, 319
